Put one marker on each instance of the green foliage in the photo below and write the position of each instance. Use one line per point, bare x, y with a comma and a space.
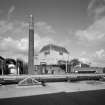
104, 70
23, 67
74, 62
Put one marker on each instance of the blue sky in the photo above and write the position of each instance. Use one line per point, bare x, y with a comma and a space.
78, 25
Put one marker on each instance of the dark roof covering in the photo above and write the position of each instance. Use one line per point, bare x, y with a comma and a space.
1, 58
54, 47
10, 60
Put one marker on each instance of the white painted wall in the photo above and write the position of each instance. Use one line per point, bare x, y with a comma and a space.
51, 58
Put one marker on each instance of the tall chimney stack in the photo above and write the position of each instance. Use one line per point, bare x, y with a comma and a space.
31, 46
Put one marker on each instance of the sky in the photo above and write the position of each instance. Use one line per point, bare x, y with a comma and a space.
77, 25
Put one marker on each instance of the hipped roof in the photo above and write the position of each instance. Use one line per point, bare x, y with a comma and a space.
54, 47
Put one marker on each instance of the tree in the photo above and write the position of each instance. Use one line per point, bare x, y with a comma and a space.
84, 65
7, 62
25, 68
20, 65
104, 70
2, 64
74, 62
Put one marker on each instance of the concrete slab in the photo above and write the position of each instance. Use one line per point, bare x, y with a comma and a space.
8, 91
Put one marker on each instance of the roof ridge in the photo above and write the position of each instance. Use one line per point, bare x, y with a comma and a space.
54, 47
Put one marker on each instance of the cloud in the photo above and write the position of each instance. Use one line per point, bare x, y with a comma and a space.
44, 27
19, 47
13, 48
96, 8
94, 37
11, 10
98, 58
83, 53
84, 60
94, 32
15, 29
14, 39
42, 41
1, 11
20, 29
13, 44
100, 54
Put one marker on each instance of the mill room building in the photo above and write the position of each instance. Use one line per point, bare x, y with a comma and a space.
50, 56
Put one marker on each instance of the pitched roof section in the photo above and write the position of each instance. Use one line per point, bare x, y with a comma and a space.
1, 58
54, 47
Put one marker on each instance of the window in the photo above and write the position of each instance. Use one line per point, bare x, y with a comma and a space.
46, 52
60, 53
